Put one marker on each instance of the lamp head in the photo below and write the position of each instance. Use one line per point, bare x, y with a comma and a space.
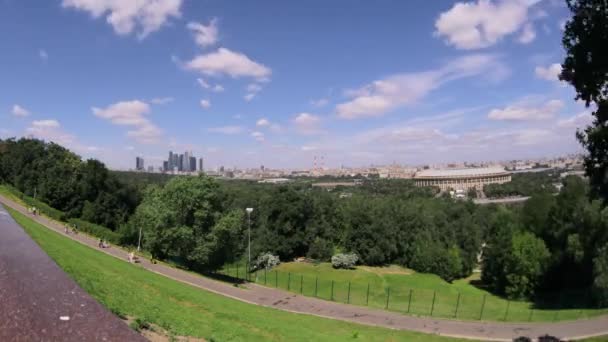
249, 210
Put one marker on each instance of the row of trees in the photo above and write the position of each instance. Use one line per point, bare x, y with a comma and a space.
59, 178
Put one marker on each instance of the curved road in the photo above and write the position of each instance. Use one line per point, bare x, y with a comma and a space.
39, 302
287, 301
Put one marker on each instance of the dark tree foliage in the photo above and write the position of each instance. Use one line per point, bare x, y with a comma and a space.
586, 69
524, 184
62, 180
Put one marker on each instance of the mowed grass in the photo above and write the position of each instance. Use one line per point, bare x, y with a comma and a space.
188, 311
406, 291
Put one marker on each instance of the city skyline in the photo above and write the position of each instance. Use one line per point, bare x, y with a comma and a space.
268, 88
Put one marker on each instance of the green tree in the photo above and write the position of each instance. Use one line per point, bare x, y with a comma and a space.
525, 265
600, 270
585, 67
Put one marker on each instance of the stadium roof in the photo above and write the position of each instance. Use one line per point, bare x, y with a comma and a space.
461, 173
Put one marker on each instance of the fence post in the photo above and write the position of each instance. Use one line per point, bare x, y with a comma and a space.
388, 296
237, 271
348, 296
332, 291
433, 304
367, 296
483, 303
264, 275
409, 301
288, 281
507, 311
457, 304
276, 279
316, 285
301, 283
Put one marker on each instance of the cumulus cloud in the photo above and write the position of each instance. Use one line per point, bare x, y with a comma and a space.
20, 111
217, 88
125, 17
550, 73
527, 35
387, 94
50, 130
524, 111
227, 62
226, 129
263, 122
249, 97
322, 102
133, 114
205, 103
205, 35
307, 123
259, 136
580, 120
475, 25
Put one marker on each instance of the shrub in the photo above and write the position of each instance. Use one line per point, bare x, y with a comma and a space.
346, 261
267, 261
96, 230
321, 250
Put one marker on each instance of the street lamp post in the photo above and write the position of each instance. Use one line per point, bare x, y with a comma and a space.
249, 210
139, 239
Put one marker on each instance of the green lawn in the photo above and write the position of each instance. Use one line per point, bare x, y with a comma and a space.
307, 278
190, 311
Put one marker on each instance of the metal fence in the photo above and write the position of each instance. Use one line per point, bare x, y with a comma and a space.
568, 305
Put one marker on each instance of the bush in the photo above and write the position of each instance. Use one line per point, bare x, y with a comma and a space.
321, 250
346, 261
139, 324
267, 261
96, 230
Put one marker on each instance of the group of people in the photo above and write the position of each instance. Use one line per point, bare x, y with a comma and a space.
103, 244
74, 229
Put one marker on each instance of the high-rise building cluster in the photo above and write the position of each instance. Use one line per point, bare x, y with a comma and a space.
182, 163
139, 164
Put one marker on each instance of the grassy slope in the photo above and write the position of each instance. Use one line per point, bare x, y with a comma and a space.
185, 310
401, 281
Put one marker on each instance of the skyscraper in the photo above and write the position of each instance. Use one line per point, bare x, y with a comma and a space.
180, 163
192, 163
186, 166
139, 163
170, 162
200, 165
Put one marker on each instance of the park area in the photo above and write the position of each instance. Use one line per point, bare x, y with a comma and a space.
184, 310
399, 289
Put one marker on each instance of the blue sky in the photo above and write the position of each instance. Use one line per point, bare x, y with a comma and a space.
246, 83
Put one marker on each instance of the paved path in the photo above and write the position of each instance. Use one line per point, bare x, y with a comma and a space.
39, 302
287, 301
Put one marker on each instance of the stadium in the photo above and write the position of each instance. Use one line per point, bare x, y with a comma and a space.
462, 179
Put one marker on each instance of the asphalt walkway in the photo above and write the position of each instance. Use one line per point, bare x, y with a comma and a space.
279, 299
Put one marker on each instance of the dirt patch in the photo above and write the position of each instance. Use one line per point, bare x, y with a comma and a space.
154, 333
386, 270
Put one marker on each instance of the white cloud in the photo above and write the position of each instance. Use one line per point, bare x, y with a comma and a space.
252, 90
131, 113
44, 56
550, 73
50, 130
226, 129
126, 16
263, 122
580, 120
205, 35
218, 88
161, 100
259, 136
527, 112
205, 103
307, 123
248, 97
384, 95
227, 62
475, 25
319, 102
527, 35
20, 111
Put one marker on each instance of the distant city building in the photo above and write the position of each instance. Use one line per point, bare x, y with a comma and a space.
150, 168
139, 163
200, 165
192, 164
165, 166
462, 179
